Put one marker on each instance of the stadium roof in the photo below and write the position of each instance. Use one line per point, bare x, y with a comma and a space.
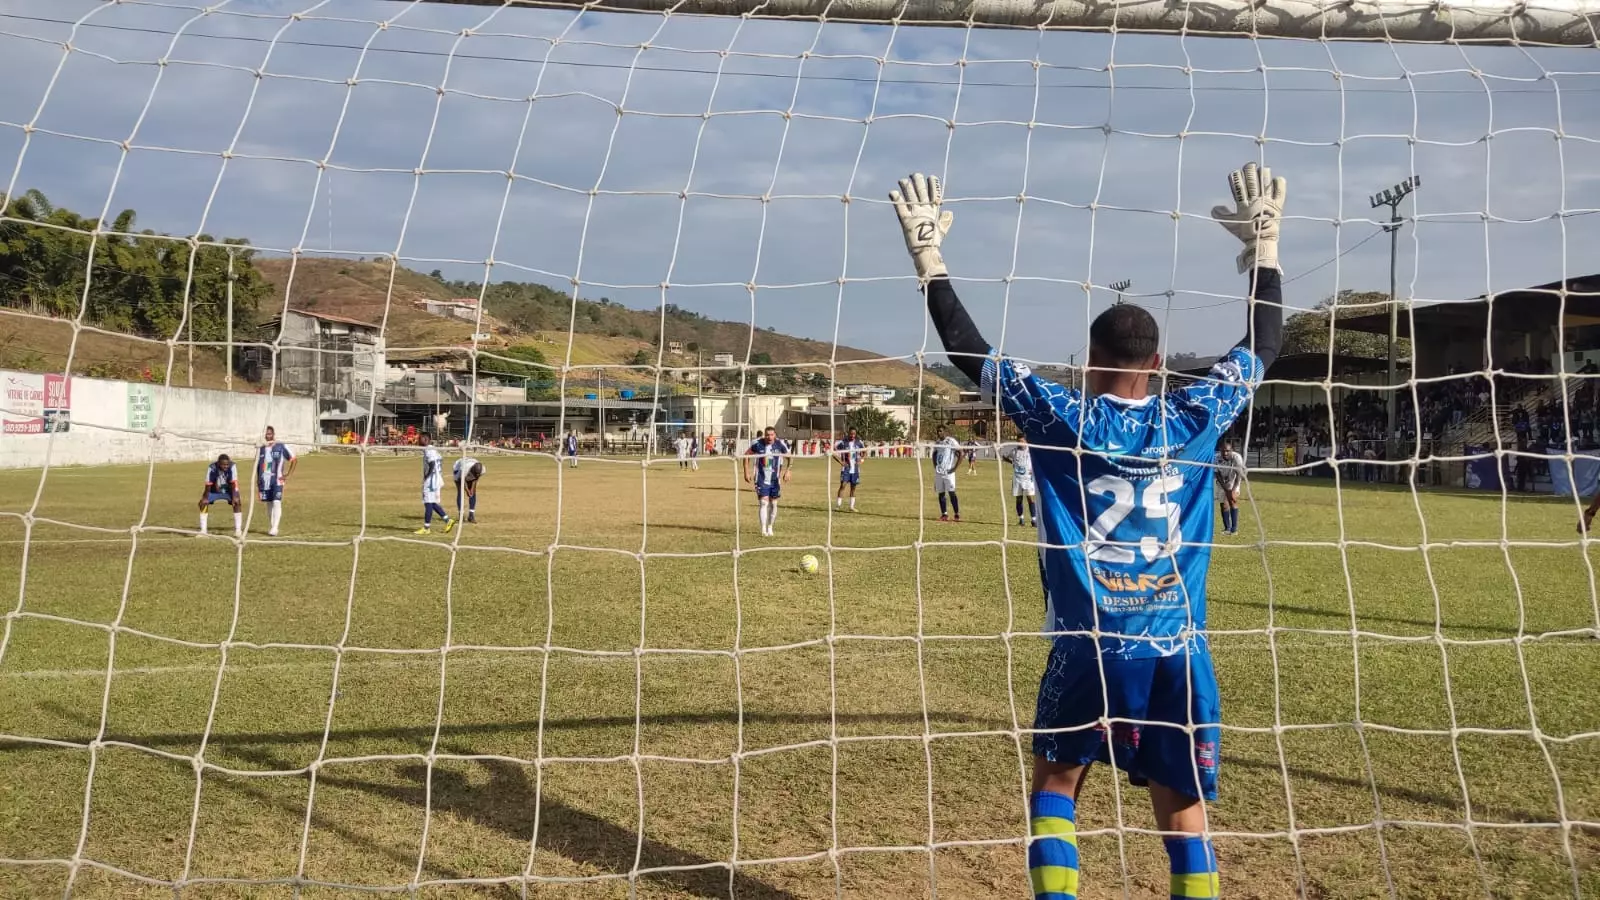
1531, 309
326, 317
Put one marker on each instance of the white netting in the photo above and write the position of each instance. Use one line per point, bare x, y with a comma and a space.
614, 684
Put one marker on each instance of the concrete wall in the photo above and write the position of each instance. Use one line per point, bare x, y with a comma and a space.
110, 422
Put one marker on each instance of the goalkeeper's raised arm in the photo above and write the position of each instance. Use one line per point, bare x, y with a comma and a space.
1255, 219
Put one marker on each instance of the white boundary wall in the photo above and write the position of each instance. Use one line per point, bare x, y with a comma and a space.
117, 422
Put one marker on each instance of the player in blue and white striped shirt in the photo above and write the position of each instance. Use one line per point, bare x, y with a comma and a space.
1125, 525
432, 484
772, 470
222, 485
275, 462
849, 453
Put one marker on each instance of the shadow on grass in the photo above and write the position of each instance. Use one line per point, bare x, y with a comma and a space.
232, 742
1481, 811
1342, 618
510, 804
397, 529
506, 803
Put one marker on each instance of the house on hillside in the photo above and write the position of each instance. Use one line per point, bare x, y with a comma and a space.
674, 346
722, 359
864, 393
463, 308
338, 360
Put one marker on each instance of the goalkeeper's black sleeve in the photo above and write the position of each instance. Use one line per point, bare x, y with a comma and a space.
1265, 330
966, 346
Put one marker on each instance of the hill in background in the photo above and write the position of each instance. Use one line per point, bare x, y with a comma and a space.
521, 314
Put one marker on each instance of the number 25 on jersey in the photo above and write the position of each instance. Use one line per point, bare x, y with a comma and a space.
1157, 501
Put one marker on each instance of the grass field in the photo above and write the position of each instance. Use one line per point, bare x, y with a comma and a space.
643, 698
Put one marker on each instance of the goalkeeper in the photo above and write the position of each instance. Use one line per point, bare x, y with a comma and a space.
1126, 516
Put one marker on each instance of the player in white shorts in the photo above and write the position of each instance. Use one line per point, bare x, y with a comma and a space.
946, 456
432, 484
466, 472
1230, 475
1022, 479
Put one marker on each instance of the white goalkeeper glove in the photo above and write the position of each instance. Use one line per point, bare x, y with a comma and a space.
925, 225
1255, 217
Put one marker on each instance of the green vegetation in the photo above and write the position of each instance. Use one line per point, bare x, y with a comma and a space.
1307, 332
139, 282
522, 361
873, 424
1366, 630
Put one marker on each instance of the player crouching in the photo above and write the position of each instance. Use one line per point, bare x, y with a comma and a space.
222, 485
467, 471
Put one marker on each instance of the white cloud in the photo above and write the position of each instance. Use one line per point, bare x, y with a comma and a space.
1480, 124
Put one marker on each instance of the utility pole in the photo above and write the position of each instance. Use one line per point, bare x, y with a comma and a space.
228, 375
1392, 197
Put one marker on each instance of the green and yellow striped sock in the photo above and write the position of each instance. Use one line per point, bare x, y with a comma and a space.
1053, 852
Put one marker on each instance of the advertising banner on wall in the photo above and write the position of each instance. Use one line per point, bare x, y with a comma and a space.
141, 407
1483, 473
35, 404
1583, 478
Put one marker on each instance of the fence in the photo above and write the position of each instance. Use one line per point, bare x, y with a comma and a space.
70, 421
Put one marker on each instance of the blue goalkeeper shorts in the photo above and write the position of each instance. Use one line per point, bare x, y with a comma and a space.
1162, 694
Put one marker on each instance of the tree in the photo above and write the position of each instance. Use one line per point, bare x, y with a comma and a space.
930, 412
1307, 332
872, 423
143, 283
761, 359
955, 376
640, 358
1178, 362
521, 361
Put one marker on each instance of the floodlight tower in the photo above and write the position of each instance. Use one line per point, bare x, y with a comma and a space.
1120, 286
1391, 197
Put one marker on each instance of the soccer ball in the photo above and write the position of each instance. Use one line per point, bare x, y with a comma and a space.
809, 564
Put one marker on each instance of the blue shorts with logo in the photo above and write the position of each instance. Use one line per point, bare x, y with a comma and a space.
271, 492
219, 497
1163, 694
848, 477
767, 489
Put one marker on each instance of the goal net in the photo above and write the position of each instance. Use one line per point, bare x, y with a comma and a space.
655, 229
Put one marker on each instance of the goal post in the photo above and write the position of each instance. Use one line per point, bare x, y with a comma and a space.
656, 227
1479, 22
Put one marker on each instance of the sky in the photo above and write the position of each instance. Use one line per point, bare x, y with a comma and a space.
709, 154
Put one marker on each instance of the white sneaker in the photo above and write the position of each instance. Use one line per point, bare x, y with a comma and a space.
272, 534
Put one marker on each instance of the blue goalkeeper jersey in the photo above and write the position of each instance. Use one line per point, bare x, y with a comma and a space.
1126, 523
